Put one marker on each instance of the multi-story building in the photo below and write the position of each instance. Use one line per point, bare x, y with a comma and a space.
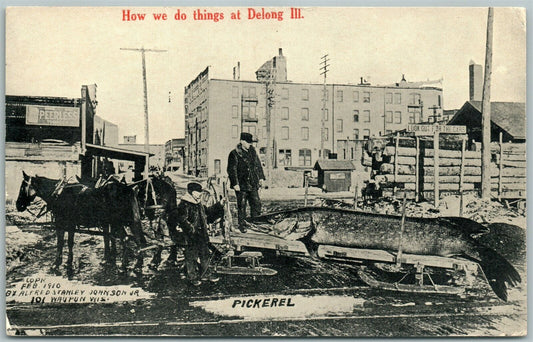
174, 151
218, 110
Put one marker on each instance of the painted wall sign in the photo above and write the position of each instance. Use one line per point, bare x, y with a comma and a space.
52, 116
338, 175
431, 129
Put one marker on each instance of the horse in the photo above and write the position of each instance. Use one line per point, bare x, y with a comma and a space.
73, 205
154, 194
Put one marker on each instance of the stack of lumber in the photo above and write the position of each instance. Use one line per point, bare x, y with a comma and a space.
457, 172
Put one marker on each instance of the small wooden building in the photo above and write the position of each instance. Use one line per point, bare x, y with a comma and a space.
334, 175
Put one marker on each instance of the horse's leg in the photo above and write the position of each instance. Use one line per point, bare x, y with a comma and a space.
60, 234
70, 258
107, 237
113, 250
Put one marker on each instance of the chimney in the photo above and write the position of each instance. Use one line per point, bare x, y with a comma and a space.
476, 81
238, 70
280, 51
233, 73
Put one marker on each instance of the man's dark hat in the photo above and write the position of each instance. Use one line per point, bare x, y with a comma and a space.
247, 137
193, 186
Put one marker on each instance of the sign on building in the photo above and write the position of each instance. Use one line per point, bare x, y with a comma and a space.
52, 116
432, 128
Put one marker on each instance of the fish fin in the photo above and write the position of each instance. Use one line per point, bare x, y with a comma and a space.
498, 271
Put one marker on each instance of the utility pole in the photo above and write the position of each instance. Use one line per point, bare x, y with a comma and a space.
324, 67
146, 134
270, 94
485, 110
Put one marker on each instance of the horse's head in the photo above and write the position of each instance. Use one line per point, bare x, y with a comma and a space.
27, 192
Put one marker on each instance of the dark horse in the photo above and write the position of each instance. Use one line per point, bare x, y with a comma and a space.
158, 199
113, 207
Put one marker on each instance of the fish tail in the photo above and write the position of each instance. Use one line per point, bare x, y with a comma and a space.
498, 270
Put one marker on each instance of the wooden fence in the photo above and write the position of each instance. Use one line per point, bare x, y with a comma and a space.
412, 170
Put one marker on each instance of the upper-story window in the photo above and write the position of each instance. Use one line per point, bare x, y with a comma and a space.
414, 99
305, 133
284, 113
388, 116
366, 96
305, 94
234, 112
388, 98
355, 96
338, 126
340, 95
397, 98
284, 93
366, 116
285, 133
397, 117
305, 114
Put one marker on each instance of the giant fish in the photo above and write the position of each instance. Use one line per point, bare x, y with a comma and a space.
444, 236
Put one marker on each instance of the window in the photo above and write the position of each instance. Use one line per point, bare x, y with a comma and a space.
356, 134
326, 114
366, 116
388, 117
252, 92
412, 116
414, 99
305, 133
234, 131
285, 133
388, 98
355, 116
338, 125
284, 113
366, 133
217, 166
284, 93
245, 92
250, 129
366, 96
305, 114
235, 92
397, 98
252, 113
355, 96
340, 95
245, 111
326, 134
325, 94
285, 158
304, 157
305, 94
397, 117
235, 112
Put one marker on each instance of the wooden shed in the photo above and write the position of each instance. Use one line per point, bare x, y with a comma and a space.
334, 175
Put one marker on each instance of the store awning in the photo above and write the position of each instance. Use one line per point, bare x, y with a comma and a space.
115, 152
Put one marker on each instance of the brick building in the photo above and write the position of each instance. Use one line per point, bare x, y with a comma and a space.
217, 110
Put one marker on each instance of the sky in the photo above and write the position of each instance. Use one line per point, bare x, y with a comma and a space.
53, 51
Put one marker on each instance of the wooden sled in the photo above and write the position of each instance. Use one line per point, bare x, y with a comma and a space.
252, 267
418, 287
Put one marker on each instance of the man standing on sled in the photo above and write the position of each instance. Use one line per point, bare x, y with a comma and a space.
193, 218
246, 177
